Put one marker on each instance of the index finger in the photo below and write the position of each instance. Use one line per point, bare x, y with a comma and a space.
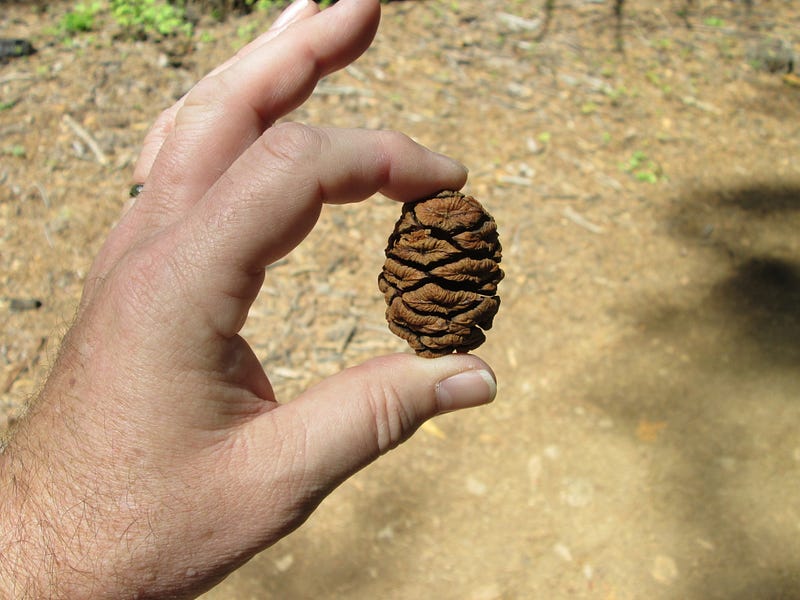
271, 197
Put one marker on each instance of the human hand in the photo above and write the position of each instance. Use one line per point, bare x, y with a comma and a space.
156, 459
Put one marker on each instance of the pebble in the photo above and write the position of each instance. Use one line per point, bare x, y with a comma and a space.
525, 170
515, 23
552, 451
284, 563
511, 356
476, 487
577, 492
514, 180
533, 146
664, 569
563, 552
518, 90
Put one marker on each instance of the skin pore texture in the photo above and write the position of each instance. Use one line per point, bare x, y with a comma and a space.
156, 459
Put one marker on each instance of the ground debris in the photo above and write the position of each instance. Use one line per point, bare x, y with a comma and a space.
648, 320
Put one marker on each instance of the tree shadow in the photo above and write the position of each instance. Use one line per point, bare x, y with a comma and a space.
774, 197
763, 295
721, 372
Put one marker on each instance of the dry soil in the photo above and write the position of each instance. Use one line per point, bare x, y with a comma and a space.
644, 442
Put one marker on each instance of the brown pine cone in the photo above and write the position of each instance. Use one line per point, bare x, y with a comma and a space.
441, 274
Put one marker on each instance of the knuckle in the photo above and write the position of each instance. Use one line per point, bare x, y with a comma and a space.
293, 143
205, 104
207, 91
396, 140
138, 282
393, 420
397, 137
145, 283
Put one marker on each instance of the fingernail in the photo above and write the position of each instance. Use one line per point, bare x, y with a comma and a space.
466, 389
290, 13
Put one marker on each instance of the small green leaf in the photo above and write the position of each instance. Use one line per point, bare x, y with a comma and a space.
17, 151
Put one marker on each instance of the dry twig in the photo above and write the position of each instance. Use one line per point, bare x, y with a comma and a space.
88, 139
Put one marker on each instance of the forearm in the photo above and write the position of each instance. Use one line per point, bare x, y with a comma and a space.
28, 556
51, 545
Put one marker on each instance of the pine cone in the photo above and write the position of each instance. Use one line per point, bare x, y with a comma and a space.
441, 274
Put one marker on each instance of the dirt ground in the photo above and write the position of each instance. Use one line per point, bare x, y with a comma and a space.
645, 438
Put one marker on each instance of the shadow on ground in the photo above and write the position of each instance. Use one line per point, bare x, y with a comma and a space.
760, 297
711, 385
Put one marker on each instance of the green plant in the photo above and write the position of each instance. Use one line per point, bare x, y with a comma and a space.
714, 22
244, 34
17, 151
220, 9
588, 108
654, 77
618, 94
80, 18
150, 18
247, 31
642, 168
262, 4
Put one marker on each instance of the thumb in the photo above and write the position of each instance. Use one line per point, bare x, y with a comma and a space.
347, 421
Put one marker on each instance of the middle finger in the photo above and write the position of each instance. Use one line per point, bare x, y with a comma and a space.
163, 126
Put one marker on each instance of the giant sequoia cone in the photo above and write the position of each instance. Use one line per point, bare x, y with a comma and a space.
441, 274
